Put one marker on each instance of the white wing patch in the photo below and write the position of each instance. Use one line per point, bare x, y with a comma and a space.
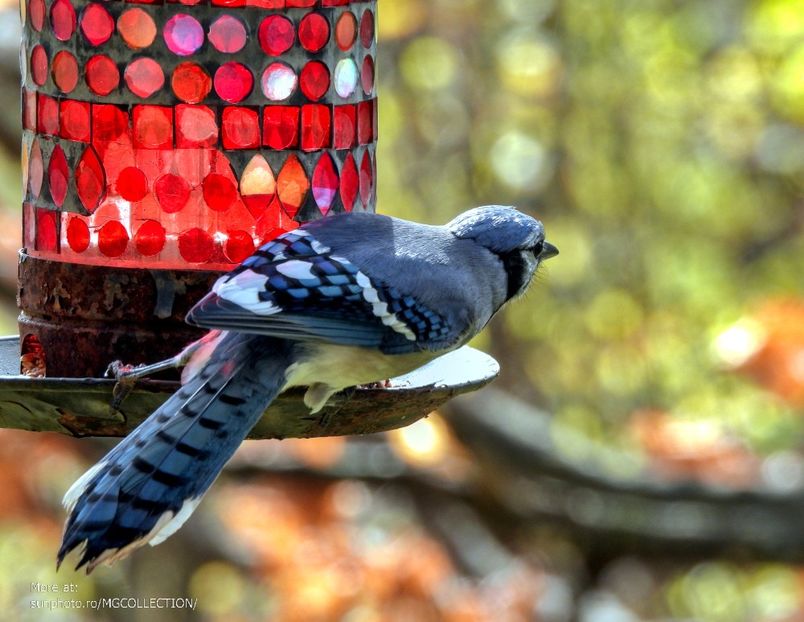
243, 290
379, 308
175, 522
80, 485
296, 269
318, 247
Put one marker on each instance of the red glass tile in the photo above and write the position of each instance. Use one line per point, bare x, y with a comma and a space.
28, 225
257, 203
278, 81
336, 2
47, 230
350, 182
367, 28
273, 222
366, 179
62, 19
183, 34
39, 65
346, 77
90, 180
313, 32
153, 127
367, 75
233, 82
144, 77
220, 192
240, 128
74, 120
36, 169
345, 131
136, 28
375, 121
266, 4
191, 83
196, 126
346, 31
230, 3
131, 184
276, 35
257, 177
58, 175
172, 192
102, 75
292, 185
325, 183
150, 238
227, 34
365, 122
280, 127
257, 185
36, 14
266, 227
25, 154
238, 246
316, 125
299, 3
112, 239
96, 24
196, 245
47, 115
65, 71
28, 109
108, 123
314, 80
78, 234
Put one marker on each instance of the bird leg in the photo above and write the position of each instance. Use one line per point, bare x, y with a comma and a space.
126, 376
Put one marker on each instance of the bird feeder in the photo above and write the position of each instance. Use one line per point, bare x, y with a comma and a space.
162, 143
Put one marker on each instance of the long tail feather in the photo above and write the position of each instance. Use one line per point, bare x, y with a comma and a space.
144, 489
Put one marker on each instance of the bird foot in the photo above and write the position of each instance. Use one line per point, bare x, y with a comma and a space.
126, 377
380, 384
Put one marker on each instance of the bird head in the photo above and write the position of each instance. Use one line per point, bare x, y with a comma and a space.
515, 238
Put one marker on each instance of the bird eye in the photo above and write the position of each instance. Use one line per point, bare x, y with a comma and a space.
538, 248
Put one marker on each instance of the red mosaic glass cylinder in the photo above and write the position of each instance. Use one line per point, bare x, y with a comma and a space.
163, 141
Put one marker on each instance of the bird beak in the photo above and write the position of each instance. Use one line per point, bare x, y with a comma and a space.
548, 250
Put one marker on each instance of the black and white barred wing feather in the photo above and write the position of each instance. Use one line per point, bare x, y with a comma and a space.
296, 288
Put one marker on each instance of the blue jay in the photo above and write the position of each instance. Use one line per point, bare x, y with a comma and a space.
345, 300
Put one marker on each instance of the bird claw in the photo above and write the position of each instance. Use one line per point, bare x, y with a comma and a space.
126, 379
118, 370
380, 384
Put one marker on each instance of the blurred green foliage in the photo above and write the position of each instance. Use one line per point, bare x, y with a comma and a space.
660, 142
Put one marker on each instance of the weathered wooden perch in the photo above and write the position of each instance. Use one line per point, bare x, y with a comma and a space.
82, 406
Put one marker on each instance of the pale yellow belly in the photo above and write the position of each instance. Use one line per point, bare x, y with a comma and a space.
331, 368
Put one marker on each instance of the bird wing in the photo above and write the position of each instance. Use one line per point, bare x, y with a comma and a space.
295, 288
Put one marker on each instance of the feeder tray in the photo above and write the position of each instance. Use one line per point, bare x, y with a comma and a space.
83, 406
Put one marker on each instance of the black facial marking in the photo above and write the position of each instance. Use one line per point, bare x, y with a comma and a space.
517, 269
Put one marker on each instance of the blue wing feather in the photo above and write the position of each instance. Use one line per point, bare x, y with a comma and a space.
295, 288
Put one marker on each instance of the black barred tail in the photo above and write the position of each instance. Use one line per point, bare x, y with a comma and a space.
149, 484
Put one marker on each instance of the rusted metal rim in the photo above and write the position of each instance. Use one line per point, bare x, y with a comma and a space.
82, 406
83, 317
